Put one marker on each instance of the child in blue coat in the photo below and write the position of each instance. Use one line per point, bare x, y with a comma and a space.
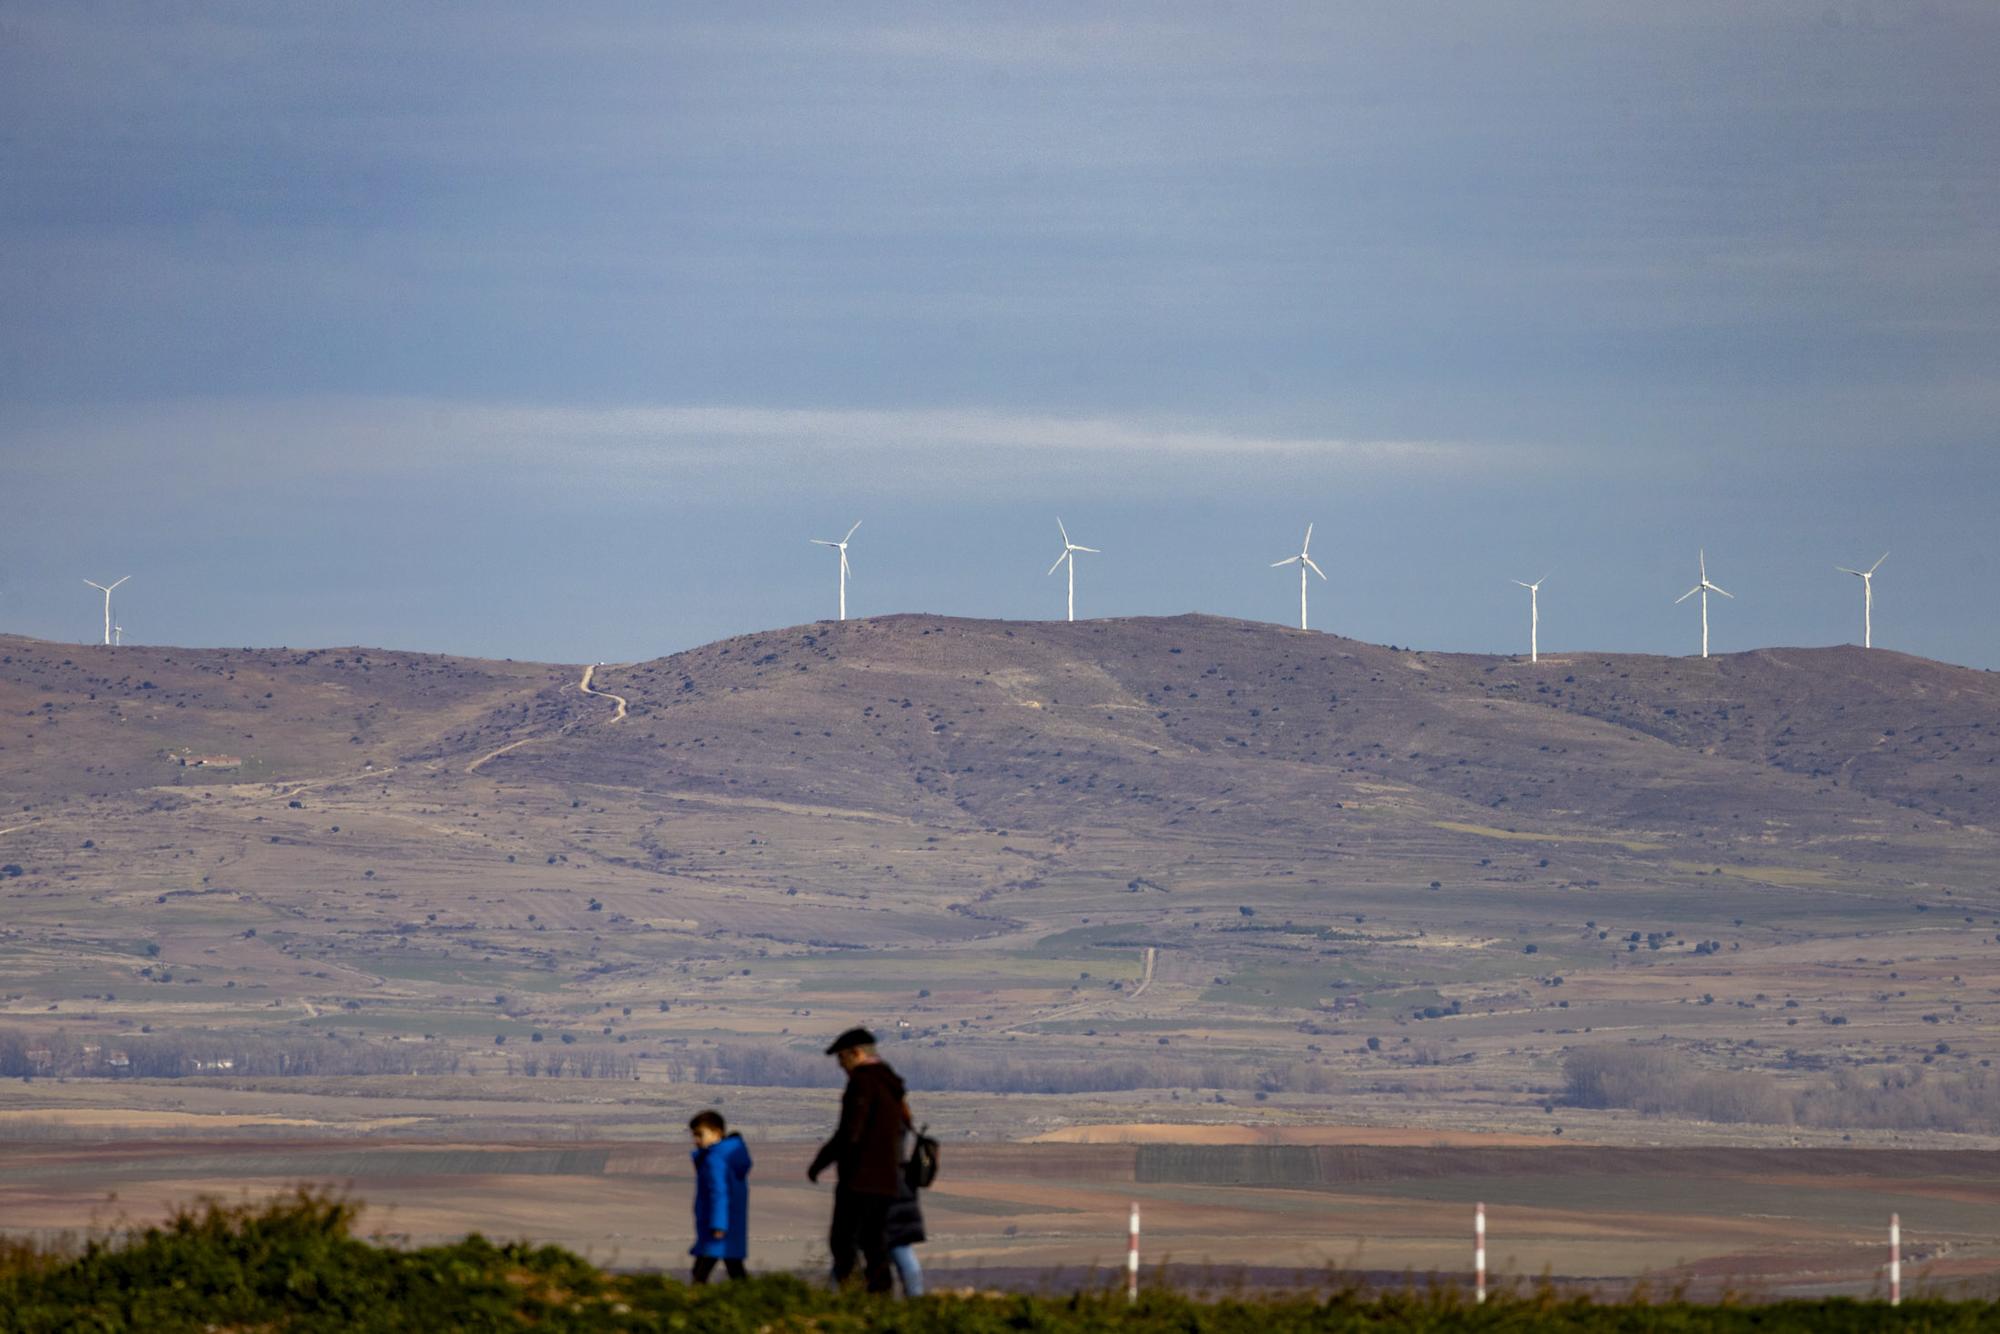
721, 1197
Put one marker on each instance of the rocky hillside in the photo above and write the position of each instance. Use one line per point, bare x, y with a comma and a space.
1195, 719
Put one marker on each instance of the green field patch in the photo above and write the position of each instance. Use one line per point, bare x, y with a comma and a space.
1298, 988
1517, 836
941, 977
821, 974
209, 991
1303, 987
73, 984
1084, 942
445, 971
1769, 875
1113, 1027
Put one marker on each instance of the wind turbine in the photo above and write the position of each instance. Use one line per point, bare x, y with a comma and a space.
1069, 554
118, 636
841, 547
1867, 578
106, 590
1304, 562
1534, 615
1704, 588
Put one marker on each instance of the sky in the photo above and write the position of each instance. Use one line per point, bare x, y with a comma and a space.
555, 332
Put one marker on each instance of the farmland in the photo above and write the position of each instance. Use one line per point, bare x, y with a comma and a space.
1183, 872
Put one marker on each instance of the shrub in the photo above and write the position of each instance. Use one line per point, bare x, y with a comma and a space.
1645, 1079
294, 1264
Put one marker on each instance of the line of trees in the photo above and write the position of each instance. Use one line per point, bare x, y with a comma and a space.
1664, 1081
960, 1072
585, 1064
178, 1055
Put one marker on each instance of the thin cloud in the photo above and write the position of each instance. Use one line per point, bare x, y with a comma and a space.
336, 438
930, 429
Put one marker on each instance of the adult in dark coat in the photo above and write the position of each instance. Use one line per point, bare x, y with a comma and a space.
866, 1150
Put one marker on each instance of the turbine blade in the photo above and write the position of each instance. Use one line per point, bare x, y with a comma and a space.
822, 542
1523, 583
1717, 588
1289, 560
1307, 545
845, 568
1059, 560
1878, 563
1090, 549
1856, 573
121, 581
1702, 556
1685, 596
1314, 568
1064, 531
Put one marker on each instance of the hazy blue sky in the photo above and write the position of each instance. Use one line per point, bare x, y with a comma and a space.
555, 331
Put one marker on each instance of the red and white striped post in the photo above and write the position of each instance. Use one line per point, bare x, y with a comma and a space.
1132, 1257
1895, 1259
1479, 1253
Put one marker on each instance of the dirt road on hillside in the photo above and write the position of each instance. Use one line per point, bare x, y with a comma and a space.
584, 684
1147, 980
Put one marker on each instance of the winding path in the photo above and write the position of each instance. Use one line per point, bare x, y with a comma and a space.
618, 716
585, 686
496, 754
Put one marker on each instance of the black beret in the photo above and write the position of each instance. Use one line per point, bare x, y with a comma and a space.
853, 1037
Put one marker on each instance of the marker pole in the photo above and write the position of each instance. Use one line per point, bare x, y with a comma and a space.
1479, 1253
1132, 1257
1895, 1259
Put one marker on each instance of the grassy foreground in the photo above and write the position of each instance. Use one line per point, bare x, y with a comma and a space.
295, 1265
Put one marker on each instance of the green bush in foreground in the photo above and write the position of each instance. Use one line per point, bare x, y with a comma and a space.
295, 1265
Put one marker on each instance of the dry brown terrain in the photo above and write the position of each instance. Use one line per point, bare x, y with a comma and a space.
1373, 887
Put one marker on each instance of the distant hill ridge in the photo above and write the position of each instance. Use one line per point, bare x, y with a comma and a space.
1177, 720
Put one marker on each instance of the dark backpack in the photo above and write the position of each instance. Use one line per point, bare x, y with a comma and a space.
922, 1168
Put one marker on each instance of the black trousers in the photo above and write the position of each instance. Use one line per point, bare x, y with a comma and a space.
861, 1224
704, 1265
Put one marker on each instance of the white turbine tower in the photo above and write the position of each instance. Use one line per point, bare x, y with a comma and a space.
1305, 562
1534, 616
841, 547
1867, 578
118, 636
1069, 554
1704, 588
106, 590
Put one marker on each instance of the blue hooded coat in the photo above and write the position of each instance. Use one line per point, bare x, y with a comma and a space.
722, 1199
